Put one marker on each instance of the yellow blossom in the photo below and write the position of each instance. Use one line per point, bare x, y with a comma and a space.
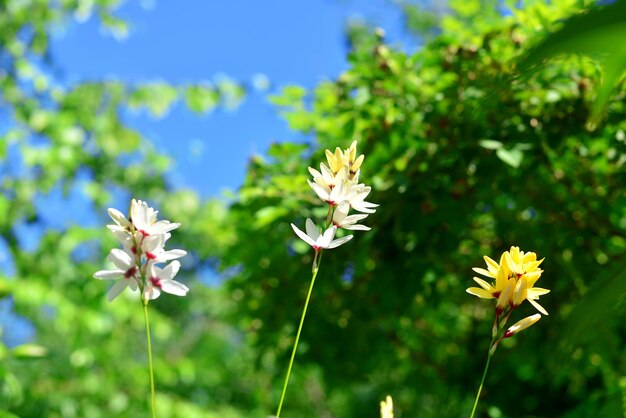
515, 277
386, 408
347, 159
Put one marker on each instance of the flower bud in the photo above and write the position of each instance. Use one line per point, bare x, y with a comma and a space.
521, 325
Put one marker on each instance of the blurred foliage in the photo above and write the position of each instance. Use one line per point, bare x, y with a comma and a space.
87, 358
465, 158
598, 34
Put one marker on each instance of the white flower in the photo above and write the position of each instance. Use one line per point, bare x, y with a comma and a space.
315, 239
341, 219
126, 271
144, 218
152, 248
334, 196
327, 179
357, 196
161, 279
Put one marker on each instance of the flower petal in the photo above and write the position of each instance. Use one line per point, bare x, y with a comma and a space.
171, 255
118, 217
121, 259
170, 270
151, 293
108, 274
484, 284
152, 242
481, 293
311, 229
304, 237
483, 272
538, 306
174, 288
117, 289
336, 243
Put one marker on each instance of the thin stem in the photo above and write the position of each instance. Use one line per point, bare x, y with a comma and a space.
482, 381
316, 263
152, 395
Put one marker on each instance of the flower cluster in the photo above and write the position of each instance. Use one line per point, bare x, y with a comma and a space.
337, 184
515, 277
143, 238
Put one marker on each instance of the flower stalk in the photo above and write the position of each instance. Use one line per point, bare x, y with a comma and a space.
150, 365
315, 269
143, 239
514, 279
337, 185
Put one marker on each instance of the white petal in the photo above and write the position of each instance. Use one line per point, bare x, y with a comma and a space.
108, 274
117, 289
311, 229
356, 227
170, 270
336, 243
355, 218
121, 259
152, 243
162, 227
122, 236
174, 288
132, 284
139, 213
314, 173
171, 255
118, 217
325, 240
151, 292
304, 237
319, 190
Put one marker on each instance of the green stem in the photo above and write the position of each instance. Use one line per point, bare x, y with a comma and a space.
482, 381
152, 395
316, 263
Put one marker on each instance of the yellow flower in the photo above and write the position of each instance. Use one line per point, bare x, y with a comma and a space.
386, 408
346, 159
515, 277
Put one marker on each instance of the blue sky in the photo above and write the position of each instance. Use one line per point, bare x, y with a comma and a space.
183, 41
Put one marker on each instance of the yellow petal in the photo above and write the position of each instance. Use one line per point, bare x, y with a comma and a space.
520, 292
481, 293
535, 292
491, 263
484, 284
532, 265
483, 272
505, 296
538, 306
529, 257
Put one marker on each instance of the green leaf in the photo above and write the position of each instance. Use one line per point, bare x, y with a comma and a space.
157, 97
599, 34
490, 144
201, 99
268, 215
511, 157
29, 351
